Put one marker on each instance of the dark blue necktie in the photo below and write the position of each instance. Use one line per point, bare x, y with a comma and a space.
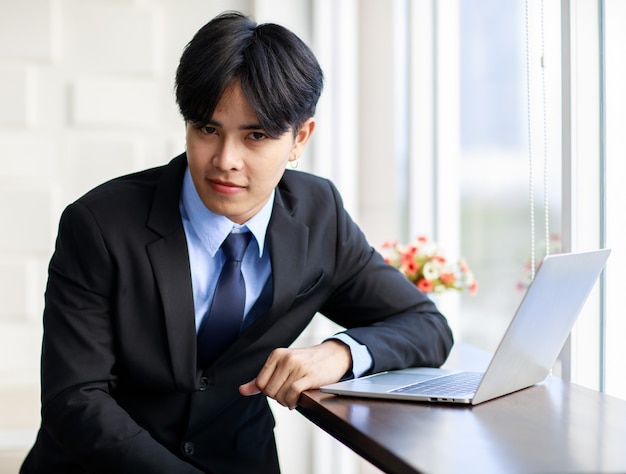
221, 325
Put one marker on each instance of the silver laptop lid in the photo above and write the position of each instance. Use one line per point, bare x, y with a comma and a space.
542, 322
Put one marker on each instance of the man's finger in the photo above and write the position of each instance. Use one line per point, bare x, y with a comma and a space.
249, 388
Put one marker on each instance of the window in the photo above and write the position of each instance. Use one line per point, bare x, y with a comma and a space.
510, 153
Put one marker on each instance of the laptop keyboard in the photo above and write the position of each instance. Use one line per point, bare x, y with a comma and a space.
462, 383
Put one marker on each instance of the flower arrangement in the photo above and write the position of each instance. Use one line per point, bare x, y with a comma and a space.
423, 263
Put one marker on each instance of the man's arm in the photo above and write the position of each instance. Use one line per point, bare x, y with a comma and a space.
400, 326
79, 366
383, 311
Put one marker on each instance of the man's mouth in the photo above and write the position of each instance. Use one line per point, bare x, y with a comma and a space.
225, 187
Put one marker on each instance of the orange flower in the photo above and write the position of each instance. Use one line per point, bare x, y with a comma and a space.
387, 244
406, 258
447, 278
425, 285
410, 267
411, 250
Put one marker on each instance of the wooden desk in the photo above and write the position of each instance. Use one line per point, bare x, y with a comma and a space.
551, 427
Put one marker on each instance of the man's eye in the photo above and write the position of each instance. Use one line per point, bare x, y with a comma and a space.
208, 130
257, 136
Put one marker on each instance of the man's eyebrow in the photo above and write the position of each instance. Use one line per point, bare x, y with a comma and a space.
247, 126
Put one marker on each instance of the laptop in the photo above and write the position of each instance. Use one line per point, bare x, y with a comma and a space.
525, 355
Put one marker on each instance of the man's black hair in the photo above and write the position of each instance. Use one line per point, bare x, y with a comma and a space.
278, 73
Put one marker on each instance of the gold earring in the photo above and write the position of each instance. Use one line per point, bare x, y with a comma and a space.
293, 164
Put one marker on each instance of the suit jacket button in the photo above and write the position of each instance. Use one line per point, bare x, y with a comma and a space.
204, 384
188, 448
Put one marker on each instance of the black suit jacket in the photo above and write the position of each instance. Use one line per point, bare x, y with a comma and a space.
120, 388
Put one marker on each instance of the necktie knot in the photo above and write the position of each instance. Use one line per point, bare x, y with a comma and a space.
235, 246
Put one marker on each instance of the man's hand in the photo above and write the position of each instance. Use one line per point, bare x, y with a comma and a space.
289, 372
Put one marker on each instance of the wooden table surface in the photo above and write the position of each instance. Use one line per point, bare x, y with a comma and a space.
553, 427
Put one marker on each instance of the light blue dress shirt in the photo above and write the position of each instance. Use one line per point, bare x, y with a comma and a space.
205, 232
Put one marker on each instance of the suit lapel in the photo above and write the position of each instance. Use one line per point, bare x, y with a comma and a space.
170, 263
288, 243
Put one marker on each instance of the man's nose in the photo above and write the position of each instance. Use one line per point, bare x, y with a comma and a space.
228, 156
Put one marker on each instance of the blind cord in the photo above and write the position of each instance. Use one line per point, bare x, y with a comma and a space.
546, 200
531, 164
531, 180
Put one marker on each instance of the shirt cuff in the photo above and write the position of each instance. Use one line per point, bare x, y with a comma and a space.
361, 358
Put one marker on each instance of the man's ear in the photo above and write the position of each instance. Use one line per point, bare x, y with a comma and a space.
302, 138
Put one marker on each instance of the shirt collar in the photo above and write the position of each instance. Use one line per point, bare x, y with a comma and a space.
213, 228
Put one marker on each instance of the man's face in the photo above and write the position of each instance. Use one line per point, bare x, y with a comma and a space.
234, 164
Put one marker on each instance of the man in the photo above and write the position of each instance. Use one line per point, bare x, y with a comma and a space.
132, 379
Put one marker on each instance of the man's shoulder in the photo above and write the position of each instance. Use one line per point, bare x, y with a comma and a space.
132, 185
294, 181
308, 194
